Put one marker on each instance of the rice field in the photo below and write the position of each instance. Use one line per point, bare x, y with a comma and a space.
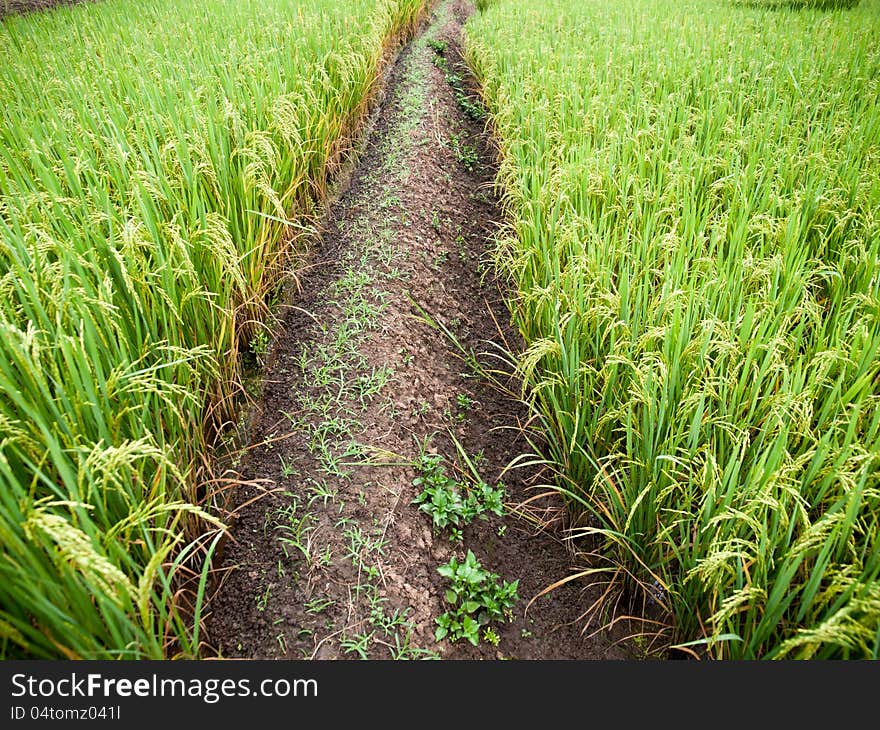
694, 197
692, 191
151, 157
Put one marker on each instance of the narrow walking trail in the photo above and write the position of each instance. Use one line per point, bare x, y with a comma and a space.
329, 557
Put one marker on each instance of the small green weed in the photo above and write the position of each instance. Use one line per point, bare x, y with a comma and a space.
450, 502
472, 109
465, 153
259, 346
263, 599
287, 467
477, 596
319, 605
358, 644
464, 401
439, 59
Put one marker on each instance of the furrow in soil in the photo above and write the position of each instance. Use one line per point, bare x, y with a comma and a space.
329, 558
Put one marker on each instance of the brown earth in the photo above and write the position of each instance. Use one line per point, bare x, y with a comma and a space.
329, 558
10, 7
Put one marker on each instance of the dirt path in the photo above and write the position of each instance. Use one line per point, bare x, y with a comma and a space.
337, 562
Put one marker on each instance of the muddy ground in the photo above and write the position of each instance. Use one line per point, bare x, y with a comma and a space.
329, 557
10, 7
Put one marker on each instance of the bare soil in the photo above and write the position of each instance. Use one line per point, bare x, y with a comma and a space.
11, 7
329, 558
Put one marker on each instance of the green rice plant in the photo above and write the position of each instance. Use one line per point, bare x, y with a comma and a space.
693, 191
150, 155
805, 4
